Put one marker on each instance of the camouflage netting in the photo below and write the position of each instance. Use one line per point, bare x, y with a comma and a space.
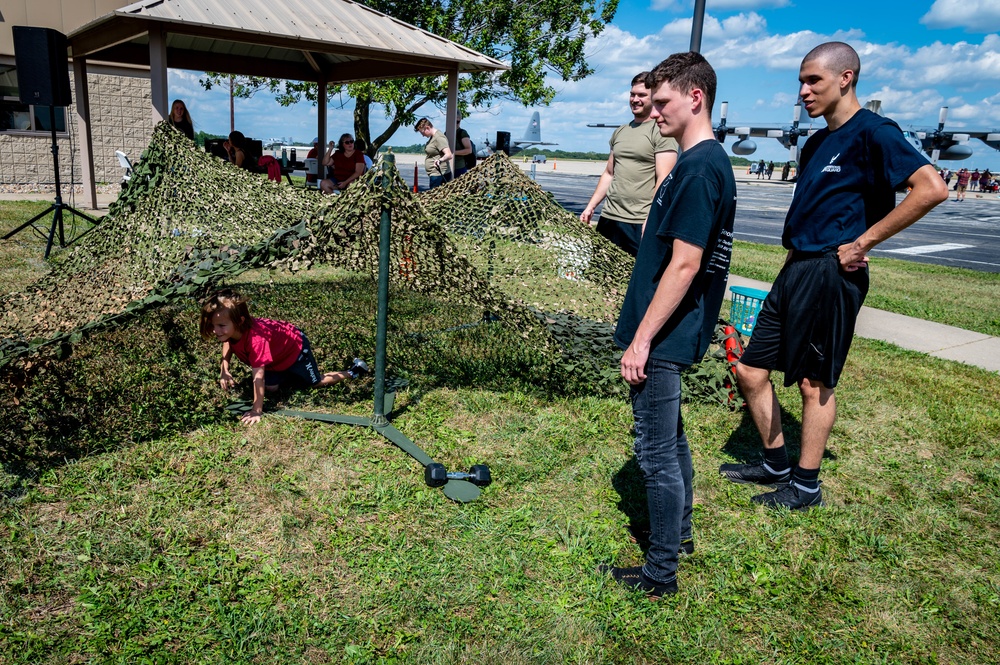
540, 256
183, 220
492, 240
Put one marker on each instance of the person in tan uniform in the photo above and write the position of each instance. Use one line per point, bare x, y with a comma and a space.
639, 161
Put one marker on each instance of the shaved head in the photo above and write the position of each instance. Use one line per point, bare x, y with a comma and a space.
837, 57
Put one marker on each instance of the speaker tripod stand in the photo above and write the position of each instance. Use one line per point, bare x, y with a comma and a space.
58, 206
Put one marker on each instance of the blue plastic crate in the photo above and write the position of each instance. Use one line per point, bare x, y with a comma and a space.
745, 307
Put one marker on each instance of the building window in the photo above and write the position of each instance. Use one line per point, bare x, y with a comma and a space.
18, 117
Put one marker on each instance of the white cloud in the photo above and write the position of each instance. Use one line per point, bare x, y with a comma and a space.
905, 106
972, 15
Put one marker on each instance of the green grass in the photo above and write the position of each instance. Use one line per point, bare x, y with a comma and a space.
21, 260
952, 296
142, 524
176, 535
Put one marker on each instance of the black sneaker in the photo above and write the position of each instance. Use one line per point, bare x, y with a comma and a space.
791, 496
753, 473
634, 578
358, 368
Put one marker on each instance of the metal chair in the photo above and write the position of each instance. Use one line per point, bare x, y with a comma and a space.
123, 160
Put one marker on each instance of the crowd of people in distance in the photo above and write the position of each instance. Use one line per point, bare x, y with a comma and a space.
974, 181
346, 160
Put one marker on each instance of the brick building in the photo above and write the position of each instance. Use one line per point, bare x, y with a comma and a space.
120, 100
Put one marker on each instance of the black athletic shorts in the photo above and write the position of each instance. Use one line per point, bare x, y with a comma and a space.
302, 374
806, 324
623, 234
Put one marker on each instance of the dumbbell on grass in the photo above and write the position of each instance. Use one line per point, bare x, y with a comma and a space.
435, 475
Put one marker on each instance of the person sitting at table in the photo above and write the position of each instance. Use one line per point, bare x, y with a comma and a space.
345, 162
180, 118
311, 178
236, 148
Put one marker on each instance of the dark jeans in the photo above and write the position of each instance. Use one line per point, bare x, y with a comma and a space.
661, 449
438, 180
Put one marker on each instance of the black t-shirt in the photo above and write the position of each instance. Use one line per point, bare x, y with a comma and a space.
847, 182
184, 127
695, 203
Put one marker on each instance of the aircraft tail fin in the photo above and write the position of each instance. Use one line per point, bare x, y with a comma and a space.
875, 106
533, 133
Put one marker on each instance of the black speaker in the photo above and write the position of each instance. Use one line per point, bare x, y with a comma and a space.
503, 142
42, 67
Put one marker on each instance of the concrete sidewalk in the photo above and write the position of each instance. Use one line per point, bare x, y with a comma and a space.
934, 339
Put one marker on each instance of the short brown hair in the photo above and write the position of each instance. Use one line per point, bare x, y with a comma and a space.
838, 57
640, 78
230, 302
684, 72
422, 124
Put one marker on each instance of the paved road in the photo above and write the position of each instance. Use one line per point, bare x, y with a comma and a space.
965, 234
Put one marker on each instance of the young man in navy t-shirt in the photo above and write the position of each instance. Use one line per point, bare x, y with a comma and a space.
844, 205
672, 305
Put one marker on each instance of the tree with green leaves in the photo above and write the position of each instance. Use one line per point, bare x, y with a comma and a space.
533, 36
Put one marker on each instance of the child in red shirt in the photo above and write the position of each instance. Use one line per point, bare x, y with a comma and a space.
276, 351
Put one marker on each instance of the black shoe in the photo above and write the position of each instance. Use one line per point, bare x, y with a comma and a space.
791, 496
634, 578
753, 473
358, 368
641, 535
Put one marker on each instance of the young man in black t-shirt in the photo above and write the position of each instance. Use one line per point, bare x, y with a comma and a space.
844, 205
672, 305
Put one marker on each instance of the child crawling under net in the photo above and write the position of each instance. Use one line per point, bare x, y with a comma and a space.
277, 352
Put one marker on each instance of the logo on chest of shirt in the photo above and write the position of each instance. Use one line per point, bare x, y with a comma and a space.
831, 167
663, 188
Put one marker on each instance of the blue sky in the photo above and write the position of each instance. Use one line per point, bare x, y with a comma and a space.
917, 55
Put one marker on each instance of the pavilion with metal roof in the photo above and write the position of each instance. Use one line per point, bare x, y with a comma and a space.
321, 41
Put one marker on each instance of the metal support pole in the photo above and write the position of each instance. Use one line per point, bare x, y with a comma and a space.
697, 24
382, 314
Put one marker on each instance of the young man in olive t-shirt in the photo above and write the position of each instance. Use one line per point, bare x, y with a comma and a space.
641, 157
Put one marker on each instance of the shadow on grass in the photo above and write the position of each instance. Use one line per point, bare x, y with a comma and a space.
744, 444
632, 503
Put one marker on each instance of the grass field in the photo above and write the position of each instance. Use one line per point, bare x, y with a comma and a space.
142, 524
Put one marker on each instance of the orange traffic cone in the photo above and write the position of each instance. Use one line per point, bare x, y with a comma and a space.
553, 165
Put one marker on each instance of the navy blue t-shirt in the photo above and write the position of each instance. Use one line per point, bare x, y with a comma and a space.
847, 182
695, 203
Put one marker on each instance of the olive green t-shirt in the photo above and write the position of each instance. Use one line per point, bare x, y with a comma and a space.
634, 146
434, 149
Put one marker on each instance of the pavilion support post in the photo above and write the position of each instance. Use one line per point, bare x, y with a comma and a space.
158, 73
321, 125
451, 119
83, 128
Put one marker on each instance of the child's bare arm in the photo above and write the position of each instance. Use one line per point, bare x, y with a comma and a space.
225, 378
253, 415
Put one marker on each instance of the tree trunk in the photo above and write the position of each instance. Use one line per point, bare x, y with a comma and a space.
362, 130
